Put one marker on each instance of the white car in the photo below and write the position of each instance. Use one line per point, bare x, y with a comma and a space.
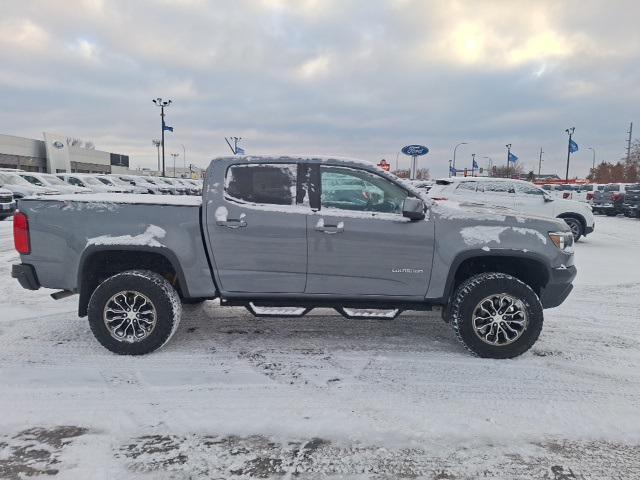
51, 181
91, 182
21, 188
114, 181
518, 195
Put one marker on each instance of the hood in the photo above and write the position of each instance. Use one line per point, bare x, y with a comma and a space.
469, 213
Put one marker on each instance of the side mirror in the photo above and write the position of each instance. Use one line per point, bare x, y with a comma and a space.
413, 208
548, 198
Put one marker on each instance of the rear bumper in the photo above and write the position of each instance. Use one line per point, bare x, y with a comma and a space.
26, 276
590, 229
559, 286
7, 208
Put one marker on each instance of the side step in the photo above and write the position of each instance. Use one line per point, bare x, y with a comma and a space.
296, 311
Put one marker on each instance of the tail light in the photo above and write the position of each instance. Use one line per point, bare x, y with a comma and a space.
566, 195
21, 233
590, 196
616, 197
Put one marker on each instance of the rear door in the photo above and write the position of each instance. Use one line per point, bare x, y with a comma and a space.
496, 192
530, 199
359, 242
257, 228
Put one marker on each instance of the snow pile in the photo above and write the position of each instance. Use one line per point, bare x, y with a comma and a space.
147, 238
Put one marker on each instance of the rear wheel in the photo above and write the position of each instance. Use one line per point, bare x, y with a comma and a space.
134, 312
496, 315
576, 227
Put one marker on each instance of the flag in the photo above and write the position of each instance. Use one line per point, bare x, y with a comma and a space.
474, 165
452, 171
512, 158
167, 128
573, 146
239, 151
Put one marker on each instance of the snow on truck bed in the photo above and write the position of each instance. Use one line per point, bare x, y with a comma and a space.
134, 198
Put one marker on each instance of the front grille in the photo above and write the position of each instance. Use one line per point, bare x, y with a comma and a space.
6, 198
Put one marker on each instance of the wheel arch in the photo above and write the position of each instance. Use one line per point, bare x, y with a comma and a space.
100, 262
529, 267
577, 216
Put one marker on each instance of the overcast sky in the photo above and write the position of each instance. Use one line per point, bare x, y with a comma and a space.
350, 78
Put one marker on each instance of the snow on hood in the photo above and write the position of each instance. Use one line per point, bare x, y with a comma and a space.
147, 238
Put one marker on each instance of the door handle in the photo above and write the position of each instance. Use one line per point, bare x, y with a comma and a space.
331, 229
232, 223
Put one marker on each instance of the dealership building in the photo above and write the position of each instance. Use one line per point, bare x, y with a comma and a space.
57, 153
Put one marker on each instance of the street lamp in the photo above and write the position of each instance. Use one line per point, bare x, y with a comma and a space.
570, 133
594, 157
174, 155
454, 157
162, 103
184, 159
508, 145
156, 143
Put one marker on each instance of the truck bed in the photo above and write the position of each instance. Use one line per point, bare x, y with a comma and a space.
67, 228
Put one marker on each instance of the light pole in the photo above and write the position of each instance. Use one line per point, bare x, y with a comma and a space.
473, 162
570, 133
156, 143
594, 157
540, 161
174, 155
162, 103
508, 145
184, 159
454, 156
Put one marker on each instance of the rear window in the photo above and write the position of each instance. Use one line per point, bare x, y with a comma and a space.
614, 187
262, 183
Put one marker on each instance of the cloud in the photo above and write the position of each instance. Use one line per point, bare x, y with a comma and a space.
357, 78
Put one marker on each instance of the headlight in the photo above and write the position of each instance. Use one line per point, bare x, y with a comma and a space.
562, 240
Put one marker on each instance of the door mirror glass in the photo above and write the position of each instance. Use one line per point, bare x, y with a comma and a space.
547, 197
413, 208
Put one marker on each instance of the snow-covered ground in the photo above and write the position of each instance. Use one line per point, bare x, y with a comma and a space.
232, 396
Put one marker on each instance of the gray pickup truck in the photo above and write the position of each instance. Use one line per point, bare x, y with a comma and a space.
283, 235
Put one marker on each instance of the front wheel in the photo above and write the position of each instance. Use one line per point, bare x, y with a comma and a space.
496, 315
576, 227
134, 312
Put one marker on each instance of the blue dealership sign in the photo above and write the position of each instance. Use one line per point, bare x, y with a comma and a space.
415, 150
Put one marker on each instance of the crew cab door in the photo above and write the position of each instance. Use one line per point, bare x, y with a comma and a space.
359, 242
256, 224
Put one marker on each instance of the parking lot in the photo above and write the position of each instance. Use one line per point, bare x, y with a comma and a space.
233, 396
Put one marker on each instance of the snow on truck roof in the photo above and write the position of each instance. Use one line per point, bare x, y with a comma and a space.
284, 158
448, 181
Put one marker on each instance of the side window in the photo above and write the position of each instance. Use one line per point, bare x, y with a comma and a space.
524, 189
351, 189
467, 187
497, 187
271, 184
33, 180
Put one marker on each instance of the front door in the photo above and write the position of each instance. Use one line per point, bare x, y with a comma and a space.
531, 199
359, 242
257, 228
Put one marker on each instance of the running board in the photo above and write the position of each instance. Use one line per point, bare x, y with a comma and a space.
259, 310
369, 313
279, 311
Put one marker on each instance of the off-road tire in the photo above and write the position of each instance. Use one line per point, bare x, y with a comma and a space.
476, 288
157, 289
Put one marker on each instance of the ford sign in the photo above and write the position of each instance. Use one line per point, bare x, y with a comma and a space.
415, 150
58, 144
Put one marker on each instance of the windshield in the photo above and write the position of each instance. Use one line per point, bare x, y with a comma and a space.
90, 181
149, 180
53, 180
106, 181
614, 187
10, 179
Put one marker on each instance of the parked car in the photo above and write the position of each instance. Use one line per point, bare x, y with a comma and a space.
20, 187
92, 183
631, 205
161, 184
179, 189
7, 203
191, 189
142, 182
113, 181
518, 195
609, 200
51, 181
262, 237
585, 192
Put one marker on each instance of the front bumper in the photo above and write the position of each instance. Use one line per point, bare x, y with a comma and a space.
26, 276
631, 210
559, 286
590, 229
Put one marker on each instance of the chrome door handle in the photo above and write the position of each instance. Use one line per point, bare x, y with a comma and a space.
330, 229
231, 223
